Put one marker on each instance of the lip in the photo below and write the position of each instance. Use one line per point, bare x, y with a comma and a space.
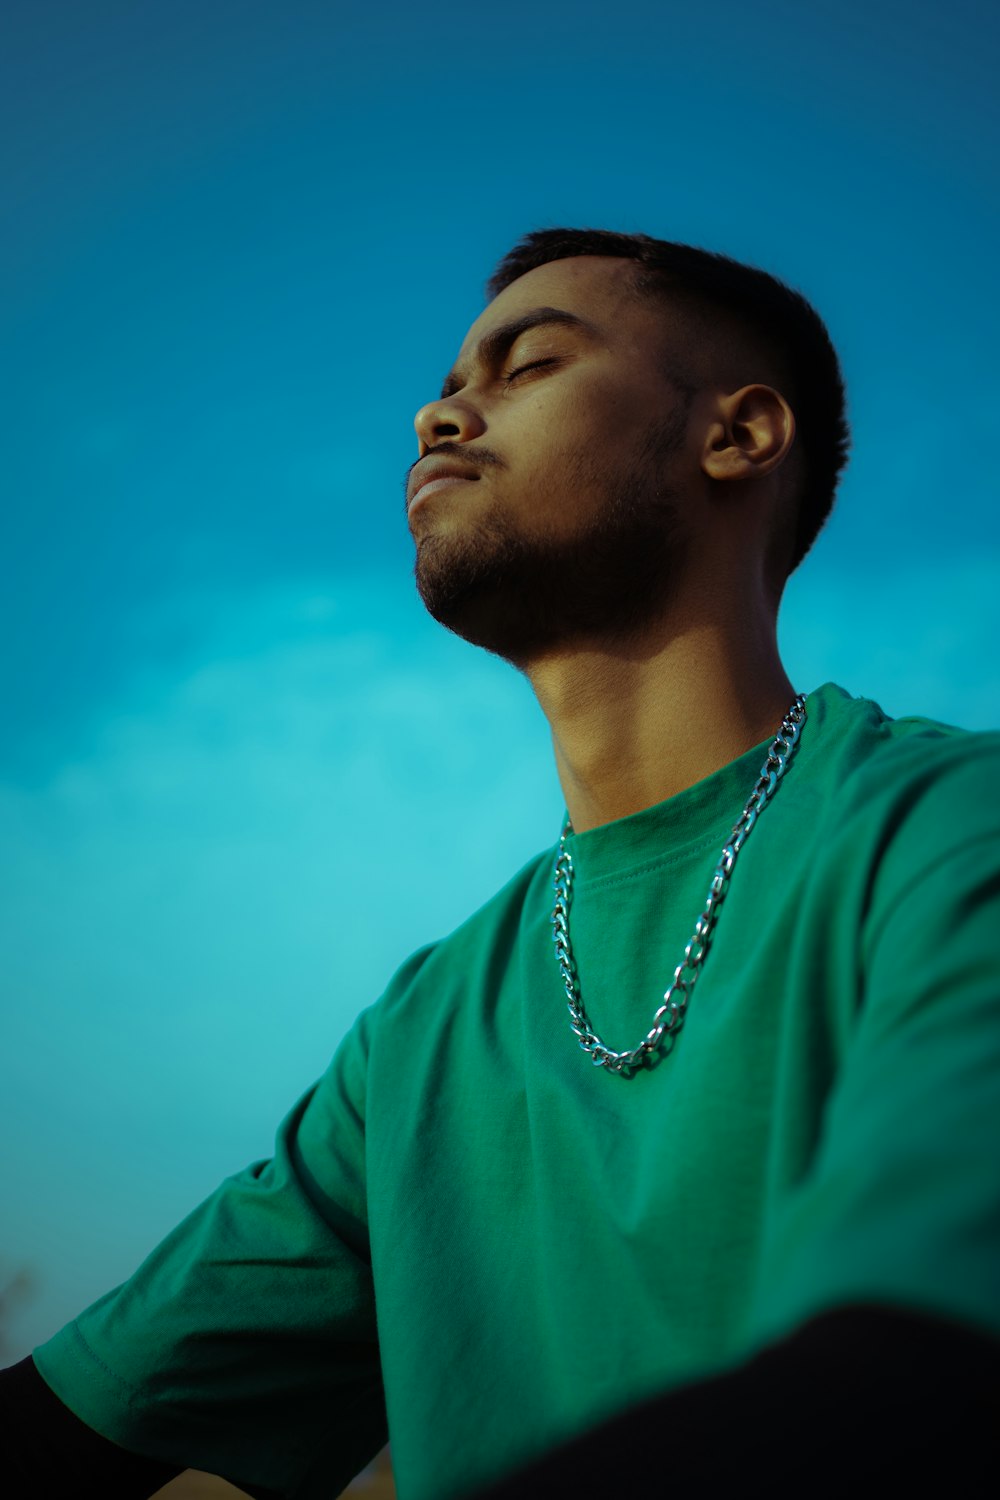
431, 475
432, 486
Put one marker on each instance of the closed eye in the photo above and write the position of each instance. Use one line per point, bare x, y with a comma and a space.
536, 364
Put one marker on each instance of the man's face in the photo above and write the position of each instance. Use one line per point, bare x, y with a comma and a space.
544, 504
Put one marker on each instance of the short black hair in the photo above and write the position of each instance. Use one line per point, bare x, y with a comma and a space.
777, 318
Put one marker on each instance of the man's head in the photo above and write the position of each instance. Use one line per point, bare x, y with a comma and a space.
620, 412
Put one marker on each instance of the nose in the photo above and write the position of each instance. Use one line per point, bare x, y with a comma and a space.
449, 418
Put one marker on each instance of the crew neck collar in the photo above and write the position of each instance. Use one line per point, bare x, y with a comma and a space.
706, 811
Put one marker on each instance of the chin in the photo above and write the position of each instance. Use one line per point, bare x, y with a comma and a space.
476, 603
522, 596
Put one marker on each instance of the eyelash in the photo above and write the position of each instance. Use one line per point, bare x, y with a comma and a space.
536, 364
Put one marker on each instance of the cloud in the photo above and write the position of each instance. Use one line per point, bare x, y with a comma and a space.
920, 638
202, 898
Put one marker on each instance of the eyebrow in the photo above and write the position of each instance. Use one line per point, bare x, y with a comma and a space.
493, 345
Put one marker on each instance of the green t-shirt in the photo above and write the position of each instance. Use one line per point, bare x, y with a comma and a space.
468, 1226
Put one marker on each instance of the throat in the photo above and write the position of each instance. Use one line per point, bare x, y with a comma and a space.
628, 734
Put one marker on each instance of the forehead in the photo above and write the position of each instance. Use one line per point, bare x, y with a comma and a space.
597, 288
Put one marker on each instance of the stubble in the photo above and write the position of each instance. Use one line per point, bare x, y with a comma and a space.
522, 595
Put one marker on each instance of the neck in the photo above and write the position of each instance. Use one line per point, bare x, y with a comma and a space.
635, 723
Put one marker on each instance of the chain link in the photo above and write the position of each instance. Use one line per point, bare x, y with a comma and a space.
669, 1018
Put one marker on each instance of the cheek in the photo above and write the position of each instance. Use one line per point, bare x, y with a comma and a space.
593, 435
571, 420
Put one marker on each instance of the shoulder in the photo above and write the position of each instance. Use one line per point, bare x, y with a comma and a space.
480, 945
903, 852
912, 785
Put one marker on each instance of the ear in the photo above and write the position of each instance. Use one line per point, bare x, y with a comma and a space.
749, 434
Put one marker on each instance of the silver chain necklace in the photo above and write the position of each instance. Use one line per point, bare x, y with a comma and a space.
669, 1018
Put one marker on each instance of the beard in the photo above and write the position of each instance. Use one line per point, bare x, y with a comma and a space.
522, 596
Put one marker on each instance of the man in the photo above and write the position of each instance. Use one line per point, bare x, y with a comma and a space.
758, 1244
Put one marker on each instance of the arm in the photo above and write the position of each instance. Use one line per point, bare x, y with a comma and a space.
49, 1450
863, 1399
246, 1344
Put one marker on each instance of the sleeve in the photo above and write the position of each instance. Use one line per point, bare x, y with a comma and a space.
246, 1343
900, 1206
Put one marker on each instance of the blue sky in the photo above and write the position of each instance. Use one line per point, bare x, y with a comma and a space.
241, 774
